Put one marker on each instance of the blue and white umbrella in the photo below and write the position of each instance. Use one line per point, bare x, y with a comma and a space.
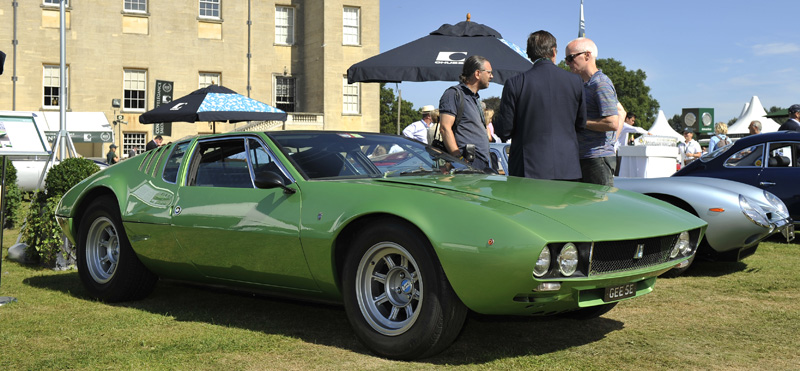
213, 103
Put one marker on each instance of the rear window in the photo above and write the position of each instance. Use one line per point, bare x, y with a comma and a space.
174, 162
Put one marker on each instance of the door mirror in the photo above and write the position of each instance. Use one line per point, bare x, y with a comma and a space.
269, 180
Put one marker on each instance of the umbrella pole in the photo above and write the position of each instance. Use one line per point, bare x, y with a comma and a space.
399, 106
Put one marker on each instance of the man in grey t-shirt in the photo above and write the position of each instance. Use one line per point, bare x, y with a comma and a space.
471, 129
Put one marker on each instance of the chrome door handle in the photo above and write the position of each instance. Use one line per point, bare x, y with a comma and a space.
766, 184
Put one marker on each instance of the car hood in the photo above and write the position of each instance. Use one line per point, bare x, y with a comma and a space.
581, 206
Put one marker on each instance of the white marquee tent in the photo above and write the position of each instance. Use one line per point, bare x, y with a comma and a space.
753, 111
661, 127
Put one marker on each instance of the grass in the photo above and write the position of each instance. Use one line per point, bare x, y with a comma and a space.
719, 316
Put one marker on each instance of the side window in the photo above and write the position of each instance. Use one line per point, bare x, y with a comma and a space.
782, 155
174, 162
220, 163
752, 156
263, 161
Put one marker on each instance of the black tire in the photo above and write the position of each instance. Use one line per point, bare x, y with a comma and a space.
107, 265
396, 295
675, 272
590, 312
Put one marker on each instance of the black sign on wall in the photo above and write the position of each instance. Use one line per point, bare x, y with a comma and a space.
163, 95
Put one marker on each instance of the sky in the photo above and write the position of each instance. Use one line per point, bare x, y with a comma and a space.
706, 54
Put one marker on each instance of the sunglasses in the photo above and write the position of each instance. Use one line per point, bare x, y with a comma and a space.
571, 57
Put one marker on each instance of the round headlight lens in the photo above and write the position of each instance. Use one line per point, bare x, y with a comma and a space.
776, 202
543, 263
684, 244
753, 212
568, 259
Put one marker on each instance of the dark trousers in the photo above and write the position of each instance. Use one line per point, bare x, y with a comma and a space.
599, 170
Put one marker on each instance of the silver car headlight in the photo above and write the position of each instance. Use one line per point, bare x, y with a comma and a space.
568, 259
682, 247
754, 213
780, 207
543, 263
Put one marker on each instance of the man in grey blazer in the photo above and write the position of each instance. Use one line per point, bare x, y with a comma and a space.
541, 110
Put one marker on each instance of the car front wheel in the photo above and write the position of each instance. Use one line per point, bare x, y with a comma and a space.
396, 295
107, 265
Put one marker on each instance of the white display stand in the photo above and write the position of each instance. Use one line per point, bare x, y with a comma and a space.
647, 161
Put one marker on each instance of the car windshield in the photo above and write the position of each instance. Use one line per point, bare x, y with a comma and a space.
331, 155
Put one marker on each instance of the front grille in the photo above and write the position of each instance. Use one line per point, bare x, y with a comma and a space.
618, 256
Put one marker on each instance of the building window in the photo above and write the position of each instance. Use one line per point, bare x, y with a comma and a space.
133, 141
209, 8
136, 6
350, 97
134, 90
351, 22
209, 78
55, 2
51, 82
284, 25
285, 97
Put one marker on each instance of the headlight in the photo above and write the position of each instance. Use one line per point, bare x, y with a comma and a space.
543, 263
776, 202
683, 246
753, 213
568, 259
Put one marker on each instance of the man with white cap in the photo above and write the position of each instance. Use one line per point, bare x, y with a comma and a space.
419, 129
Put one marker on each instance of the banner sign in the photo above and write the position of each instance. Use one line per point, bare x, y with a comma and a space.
82, 136
163, 95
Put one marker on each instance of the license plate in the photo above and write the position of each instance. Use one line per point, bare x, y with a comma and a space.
615, 293
788, 232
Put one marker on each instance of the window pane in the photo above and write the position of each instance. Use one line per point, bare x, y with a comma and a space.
51, 82
209, 8
350, 98
284, 25
209, 78
350, 23
132, 142
285, 93
174, 162
223, 163
136, 5
134, 89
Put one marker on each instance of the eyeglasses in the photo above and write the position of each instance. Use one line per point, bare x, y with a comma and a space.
489, 71
571, 57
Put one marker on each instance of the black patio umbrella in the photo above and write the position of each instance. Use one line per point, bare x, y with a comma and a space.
213, 103
440, 56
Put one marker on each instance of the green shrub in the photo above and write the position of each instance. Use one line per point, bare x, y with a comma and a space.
67, 174
13, 196
41, 232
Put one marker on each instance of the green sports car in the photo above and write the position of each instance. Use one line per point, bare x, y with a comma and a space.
407, 238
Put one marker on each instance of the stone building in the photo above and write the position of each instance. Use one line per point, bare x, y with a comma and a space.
292, 54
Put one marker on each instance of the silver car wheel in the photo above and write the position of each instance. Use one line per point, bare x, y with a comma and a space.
102, 250
389, 288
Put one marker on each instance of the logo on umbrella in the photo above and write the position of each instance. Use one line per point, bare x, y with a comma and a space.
451, 58
177, 106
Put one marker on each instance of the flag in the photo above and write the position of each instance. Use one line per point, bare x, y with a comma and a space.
582, 26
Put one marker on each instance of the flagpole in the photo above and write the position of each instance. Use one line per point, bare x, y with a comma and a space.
582, 24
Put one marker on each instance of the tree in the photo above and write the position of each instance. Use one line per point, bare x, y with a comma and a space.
389, 112
632, 92
675, 123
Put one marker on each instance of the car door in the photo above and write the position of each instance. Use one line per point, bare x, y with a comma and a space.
232, 230
780, 174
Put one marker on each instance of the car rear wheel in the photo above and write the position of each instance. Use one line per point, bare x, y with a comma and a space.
107, 265
396, 295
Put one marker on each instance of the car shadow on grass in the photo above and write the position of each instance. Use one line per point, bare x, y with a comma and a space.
483, 339
714, 269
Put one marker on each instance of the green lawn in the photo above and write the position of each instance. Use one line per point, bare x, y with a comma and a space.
720, 316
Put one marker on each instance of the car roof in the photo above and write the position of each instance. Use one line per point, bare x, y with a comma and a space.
769, 137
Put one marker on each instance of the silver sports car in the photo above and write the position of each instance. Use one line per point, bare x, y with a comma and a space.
739, 216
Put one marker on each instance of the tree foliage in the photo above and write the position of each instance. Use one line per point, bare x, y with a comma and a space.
389, 111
